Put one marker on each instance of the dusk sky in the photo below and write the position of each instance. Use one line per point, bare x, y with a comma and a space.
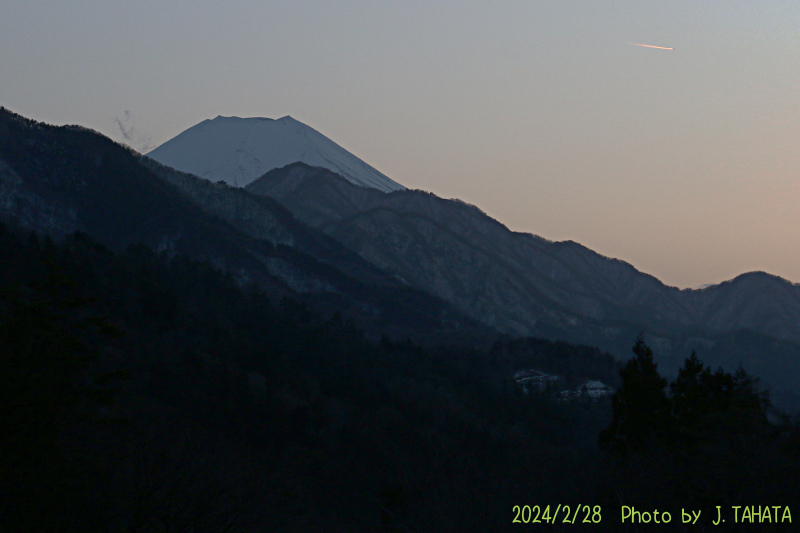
683, 162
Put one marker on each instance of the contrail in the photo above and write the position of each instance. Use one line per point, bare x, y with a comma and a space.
651, 46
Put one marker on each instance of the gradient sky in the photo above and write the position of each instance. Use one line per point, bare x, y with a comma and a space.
684, 162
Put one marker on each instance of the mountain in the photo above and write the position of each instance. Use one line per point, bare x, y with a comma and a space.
405, 263
61, 180
150, 379
526, 285
514, 280
239, 150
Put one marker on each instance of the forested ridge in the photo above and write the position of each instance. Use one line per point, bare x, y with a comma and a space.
145, 391
58, 180
282, 418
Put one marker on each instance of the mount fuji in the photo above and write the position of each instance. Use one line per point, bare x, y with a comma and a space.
239, 150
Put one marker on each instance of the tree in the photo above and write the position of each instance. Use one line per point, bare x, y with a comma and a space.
641, 409
708, 403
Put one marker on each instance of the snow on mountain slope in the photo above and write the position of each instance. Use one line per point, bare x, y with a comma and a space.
239, 150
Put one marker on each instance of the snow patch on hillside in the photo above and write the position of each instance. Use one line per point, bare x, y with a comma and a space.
533, 381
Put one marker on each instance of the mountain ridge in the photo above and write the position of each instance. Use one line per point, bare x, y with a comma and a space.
323, 200
431, 267
58, 180
523, 284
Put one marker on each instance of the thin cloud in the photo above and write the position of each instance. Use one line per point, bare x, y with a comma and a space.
140, 143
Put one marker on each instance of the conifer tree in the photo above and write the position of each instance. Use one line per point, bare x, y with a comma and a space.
641, 407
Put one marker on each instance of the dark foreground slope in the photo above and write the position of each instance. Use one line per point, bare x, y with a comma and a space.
146, 392
58, 180
526, 285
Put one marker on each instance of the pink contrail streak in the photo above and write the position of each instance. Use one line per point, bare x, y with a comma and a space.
651, 46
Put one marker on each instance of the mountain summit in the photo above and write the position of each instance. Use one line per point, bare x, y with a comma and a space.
239, 150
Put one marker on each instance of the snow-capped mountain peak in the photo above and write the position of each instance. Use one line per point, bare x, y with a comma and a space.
239, 150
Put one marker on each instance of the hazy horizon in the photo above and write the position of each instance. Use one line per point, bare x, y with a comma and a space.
546, 115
